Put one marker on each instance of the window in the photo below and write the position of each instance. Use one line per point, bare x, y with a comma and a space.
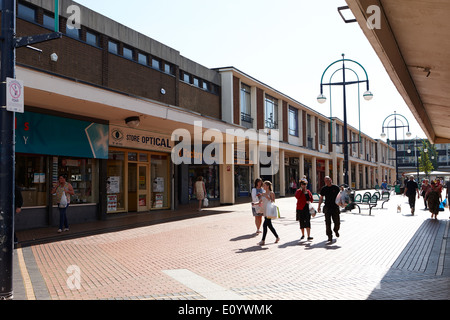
271, 114
245, 99
196, 82
293, 121
155, 64
168, 68
113, 47
309, 132
92, 38
73, 32
206, 86
26, 13
321, 132
186, 77
337, 133
49, 21
142, 59
128, 53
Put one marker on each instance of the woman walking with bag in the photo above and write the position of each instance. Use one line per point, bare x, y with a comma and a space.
200, 191
304, 198
63, 192
266, 198
257, 211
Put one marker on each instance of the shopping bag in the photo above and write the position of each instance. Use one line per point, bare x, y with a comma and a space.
312, 210
271, 211
205, 202
63, 201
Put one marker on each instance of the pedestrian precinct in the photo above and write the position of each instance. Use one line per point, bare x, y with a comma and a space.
267, 197
331, 209
424, 190
411, 188
63, 191
433, 200
200, 191
304, 198
256, 206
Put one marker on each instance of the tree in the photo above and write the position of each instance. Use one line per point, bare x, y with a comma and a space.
425, 164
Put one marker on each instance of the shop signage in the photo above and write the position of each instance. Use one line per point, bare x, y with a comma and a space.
52, 135
138, 139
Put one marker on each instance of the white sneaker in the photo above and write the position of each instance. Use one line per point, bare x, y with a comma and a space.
59, 230
66, 229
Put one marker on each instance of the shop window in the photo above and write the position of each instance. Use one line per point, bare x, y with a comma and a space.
210, 176
81, 174
115, 181
31, 178
160, 181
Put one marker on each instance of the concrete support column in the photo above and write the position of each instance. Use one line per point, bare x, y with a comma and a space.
314, 174
357, 178
282, 175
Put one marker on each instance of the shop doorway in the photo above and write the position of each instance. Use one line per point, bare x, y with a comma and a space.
138, 187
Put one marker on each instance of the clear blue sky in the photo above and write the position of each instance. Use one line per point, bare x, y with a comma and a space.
287, 44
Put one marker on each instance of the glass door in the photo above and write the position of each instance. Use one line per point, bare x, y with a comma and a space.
143, 188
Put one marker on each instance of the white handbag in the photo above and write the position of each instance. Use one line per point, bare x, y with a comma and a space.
205, 202
312, 210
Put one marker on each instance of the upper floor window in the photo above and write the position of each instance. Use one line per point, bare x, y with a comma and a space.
168, 68
49, 21
73, 32
91, 38
245, 99
321, 132
271, 114
26, 12
156, 64
113, 47
293, 121
128, 53
142, 59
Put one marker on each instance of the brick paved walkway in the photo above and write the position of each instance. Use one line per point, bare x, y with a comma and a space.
387, 255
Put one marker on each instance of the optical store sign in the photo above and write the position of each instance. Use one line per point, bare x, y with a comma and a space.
139, 139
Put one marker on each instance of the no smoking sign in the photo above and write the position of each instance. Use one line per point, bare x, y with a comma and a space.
14, 95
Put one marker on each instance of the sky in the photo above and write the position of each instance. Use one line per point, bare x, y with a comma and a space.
286, 44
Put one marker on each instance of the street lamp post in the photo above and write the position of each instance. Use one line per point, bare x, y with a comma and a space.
367, 96
416, 147
396, 117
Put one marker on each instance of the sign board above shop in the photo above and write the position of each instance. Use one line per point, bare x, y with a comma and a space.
139, 139
38, 133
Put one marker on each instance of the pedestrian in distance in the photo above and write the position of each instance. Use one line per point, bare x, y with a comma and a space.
257, 211
411, 188
18, 203
433, 200
304, 198
424, 191
267, 197
63, 190
331, 209
200, 191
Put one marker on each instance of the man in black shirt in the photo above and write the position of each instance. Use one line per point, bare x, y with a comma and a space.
411, 187
331, 209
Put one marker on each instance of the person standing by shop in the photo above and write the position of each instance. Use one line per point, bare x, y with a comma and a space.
257, 211
63, 191
304, 198
200, 191
331, 209
411, 188
267, 197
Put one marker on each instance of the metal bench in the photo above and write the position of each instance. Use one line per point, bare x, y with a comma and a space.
367, 199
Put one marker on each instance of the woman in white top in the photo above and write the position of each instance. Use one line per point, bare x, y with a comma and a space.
266, 197
200, 191
257, 211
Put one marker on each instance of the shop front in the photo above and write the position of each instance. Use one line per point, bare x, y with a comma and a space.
138, 171
50, 145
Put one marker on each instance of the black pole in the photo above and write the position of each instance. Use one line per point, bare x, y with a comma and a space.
7, 151
396, 151
345, 127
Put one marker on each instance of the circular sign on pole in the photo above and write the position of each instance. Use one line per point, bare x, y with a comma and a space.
14, 95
